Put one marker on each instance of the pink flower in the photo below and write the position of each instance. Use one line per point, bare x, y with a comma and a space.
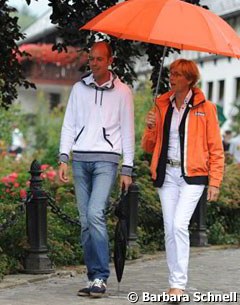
16, 184
5, 180
43, 176
51, 175
23, 193
12, 177
44, 167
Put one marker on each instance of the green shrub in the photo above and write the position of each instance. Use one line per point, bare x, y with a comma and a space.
64, 237
47, 131
143, 102
9, 118
223, 217
151, 235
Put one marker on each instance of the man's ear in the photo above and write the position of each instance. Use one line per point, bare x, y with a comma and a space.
110, 61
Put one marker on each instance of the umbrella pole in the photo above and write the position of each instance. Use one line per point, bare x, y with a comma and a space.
160, 73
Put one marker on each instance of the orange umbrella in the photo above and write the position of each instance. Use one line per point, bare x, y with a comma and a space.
171, 23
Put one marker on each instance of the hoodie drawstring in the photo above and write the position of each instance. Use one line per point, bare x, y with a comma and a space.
101, 97
96, 96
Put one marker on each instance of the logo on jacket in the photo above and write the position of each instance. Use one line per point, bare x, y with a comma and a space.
199, 113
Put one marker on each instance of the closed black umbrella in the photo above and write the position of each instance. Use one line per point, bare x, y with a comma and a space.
121, 234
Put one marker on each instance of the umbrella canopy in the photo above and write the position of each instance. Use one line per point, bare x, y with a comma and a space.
120, 239
171, 23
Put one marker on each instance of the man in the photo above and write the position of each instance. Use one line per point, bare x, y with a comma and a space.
226, 140
18, 143
98, 126
234, 149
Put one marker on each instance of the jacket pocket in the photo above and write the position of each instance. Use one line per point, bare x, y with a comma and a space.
77, 137
105, 135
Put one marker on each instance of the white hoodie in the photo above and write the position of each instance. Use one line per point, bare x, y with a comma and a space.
99, 123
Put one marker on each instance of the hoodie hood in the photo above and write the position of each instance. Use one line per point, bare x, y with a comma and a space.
88, 80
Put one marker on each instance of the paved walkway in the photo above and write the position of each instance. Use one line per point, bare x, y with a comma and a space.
212, 272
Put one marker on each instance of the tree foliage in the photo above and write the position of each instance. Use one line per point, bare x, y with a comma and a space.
11, 74
69, 16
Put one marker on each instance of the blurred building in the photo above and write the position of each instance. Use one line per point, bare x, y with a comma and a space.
53, 73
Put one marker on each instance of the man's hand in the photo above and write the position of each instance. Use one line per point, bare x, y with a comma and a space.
63, 172
125, 182
213, 193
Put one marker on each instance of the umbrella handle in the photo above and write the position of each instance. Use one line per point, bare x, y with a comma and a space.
160, 73
122, 194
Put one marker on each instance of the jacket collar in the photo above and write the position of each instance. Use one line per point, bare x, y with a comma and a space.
88, 80
186, 100
196, 98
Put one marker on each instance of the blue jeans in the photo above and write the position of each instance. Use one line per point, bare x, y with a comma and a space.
93, 183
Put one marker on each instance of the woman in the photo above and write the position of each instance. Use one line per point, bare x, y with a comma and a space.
183, 135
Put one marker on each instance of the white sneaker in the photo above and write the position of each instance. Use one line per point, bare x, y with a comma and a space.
85, 292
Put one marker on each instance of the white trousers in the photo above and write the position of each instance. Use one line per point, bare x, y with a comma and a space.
178, 200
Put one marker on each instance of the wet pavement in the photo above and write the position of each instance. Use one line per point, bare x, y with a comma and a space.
214, 278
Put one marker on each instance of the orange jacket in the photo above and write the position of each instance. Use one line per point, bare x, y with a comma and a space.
203, 149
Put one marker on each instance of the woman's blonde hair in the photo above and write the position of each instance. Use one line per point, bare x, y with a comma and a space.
188, 68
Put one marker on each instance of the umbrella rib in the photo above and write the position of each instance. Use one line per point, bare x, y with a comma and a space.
143, 9
207, 24
207, 21
199, 10
228, 43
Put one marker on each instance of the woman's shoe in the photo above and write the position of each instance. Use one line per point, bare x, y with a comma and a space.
175, 295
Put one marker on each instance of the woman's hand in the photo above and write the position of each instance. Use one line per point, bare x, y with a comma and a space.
213, 193
151, 119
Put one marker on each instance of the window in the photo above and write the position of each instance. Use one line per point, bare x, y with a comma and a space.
221, 87
237, 27
210, 90
54, 100
232, 22
237, 95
